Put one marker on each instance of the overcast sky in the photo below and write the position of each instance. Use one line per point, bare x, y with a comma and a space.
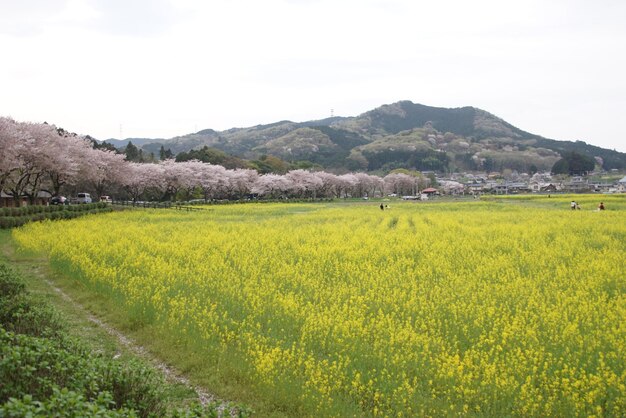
159, 68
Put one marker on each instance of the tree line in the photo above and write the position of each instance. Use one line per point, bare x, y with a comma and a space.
41, 157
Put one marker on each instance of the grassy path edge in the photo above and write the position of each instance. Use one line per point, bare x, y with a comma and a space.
96, 332
169, 372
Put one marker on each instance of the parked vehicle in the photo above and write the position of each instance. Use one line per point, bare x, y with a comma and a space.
106, 199
59, 200
83, 198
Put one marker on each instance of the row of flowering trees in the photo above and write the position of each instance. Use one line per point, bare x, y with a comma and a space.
187, 179
40, 157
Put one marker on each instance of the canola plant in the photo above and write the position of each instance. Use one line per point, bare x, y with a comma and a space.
507, 307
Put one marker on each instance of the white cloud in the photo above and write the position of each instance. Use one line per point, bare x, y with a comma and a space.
164, 68
26, 17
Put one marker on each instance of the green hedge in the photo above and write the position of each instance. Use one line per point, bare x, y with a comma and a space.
14, 217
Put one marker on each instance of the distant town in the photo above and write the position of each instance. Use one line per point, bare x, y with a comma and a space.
515, 183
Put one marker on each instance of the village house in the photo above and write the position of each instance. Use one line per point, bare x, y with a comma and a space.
621, 185
603, 187
577, 184
512, 188
474, 188
549, 188
535, 186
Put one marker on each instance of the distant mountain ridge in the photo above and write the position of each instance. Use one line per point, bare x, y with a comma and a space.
119, 143
398, 135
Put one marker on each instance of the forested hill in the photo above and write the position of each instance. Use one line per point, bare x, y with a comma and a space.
467, 121
398, 135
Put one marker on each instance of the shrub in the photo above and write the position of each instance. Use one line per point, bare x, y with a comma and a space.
18, 313
7, 222
63, 403
37, 366
38, 358
10, 285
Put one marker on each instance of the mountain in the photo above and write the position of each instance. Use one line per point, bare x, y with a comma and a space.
139, 142
398, 135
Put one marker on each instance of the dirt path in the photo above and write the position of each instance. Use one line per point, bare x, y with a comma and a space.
36, 269
169, 372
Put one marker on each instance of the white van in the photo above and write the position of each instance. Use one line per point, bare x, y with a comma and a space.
83, 198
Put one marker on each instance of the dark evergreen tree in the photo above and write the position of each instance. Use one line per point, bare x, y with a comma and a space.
212, 156
102, 145
165, 154
573, 164
132, 152
561, 167
270, 164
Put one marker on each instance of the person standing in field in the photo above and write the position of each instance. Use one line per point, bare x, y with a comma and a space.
382, 207
601, 206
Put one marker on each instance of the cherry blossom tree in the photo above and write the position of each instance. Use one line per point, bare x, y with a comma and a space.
28, 159
214, 180
304, 183
451, 187
65, 157
102, 169
175, 177
401, 184
155, 181
272, 185
368, 184
140, 178
11, 144
330, 184
346, 184
241, 181
189, 181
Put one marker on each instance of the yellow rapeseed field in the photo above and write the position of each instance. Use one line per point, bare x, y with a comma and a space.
505, 307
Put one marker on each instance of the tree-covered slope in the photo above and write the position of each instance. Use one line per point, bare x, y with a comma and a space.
398, 135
